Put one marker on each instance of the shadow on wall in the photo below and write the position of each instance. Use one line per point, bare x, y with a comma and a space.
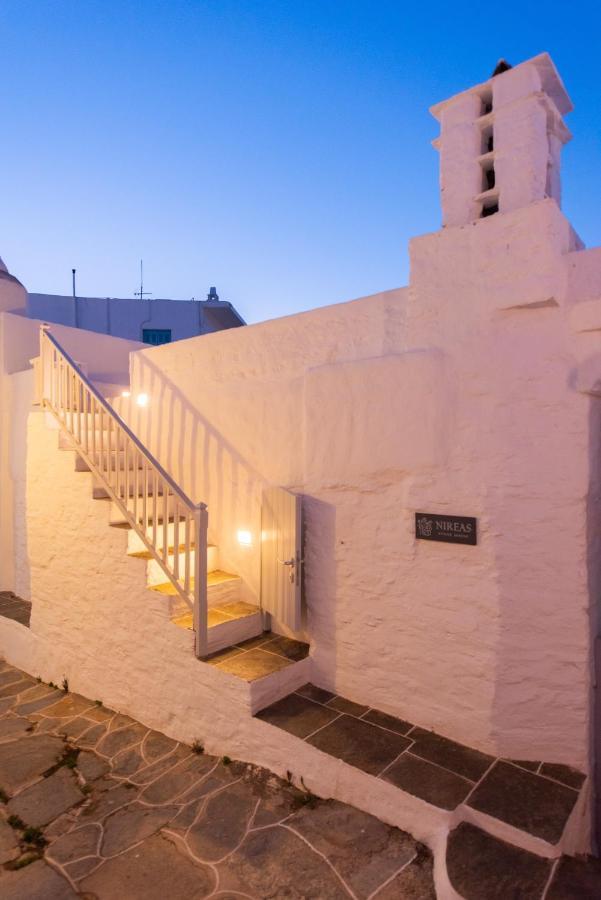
207, 466
594, 582
319, 584
211, 469
22, 395
543, 639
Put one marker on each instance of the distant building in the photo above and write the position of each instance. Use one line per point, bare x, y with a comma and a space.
152, 321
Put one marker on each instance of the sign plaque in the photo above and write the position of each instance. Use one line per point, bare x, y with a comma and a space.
450, 529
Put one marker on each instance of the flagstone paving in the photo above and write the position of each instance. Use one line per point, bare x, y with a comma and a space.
535, 797
95, 805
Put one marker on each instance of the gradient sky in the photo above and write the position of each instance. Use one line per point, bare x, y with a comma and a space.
279, 150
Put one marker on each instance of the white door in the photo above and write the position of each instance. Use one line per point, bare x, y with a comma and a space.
281, 556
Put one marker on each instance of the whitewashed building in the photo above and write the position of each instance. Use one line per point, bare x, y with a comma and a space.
149, 320
400, 501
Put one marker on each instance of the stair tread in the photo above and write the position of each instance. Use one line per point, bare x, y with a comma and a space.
478, 863
213, 578
533, 798
146, 554
219, 576
259, 657
217, 615
122, 523
141, 493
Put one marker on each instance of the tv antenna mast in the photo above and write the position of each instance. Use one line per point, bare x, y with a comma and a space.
142, 293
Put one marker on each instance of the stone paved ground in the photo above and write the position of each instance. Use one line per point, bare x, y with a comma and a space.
534, 797
95, 805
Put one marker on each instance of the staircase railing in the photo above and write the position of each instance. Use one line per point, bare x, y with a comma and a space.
147, 496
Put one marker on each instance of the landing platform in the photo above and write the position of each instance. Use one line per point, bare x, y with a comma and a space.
259, 656
217, 615
533, 799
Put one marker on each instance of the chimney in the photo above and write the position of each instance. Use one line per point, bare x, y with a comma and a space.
500, 142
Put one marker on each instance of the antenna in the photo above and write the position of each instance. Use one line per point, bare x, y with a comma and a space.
142, 293
73, 277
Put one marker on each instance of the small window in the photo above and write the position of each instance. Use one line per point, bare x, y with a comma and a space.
489, 179
488, 143
490, 210
156, 336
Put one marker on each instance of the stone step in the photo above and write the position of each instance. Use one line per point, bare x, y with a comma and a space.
99, 492
222, 587
270, 663
137, 548
111, 390
534, 805
109, 441
230, 619
214, 579
156, 576
96, 438
116, 461
228, 623
225, 612
481, 866
224, 593
118, 520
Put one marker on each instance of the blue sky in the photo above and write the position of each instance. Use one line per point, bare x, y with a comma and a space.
279, 150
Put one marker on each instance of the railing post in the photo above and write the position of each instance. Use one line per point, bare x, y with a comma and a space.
200, 582
43, 379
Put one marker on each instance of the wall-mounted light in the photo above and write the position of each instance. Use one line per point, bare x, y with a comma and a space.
126, 393
245, 538
142, 399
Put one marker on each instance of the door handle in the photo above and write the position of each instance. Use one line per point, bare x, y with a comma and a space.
291, 563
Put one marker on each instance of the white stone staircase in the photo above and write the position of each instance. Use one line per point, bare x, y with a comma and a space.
230, 618
145, 500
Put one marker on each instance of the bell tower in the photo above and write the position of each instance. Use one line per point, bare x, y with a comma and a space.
500, 142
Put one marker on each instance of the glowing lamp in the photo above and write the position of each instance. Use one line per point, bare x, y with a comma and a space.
245, 538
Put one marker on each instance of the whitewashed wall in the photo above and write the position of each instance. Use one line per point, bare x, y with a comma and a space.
227, 415
13, 296
474, 391
106, 359
457, 395
95, 623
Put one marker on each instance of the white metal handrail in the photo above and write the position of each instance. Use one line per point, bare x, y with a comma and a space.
145, 493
